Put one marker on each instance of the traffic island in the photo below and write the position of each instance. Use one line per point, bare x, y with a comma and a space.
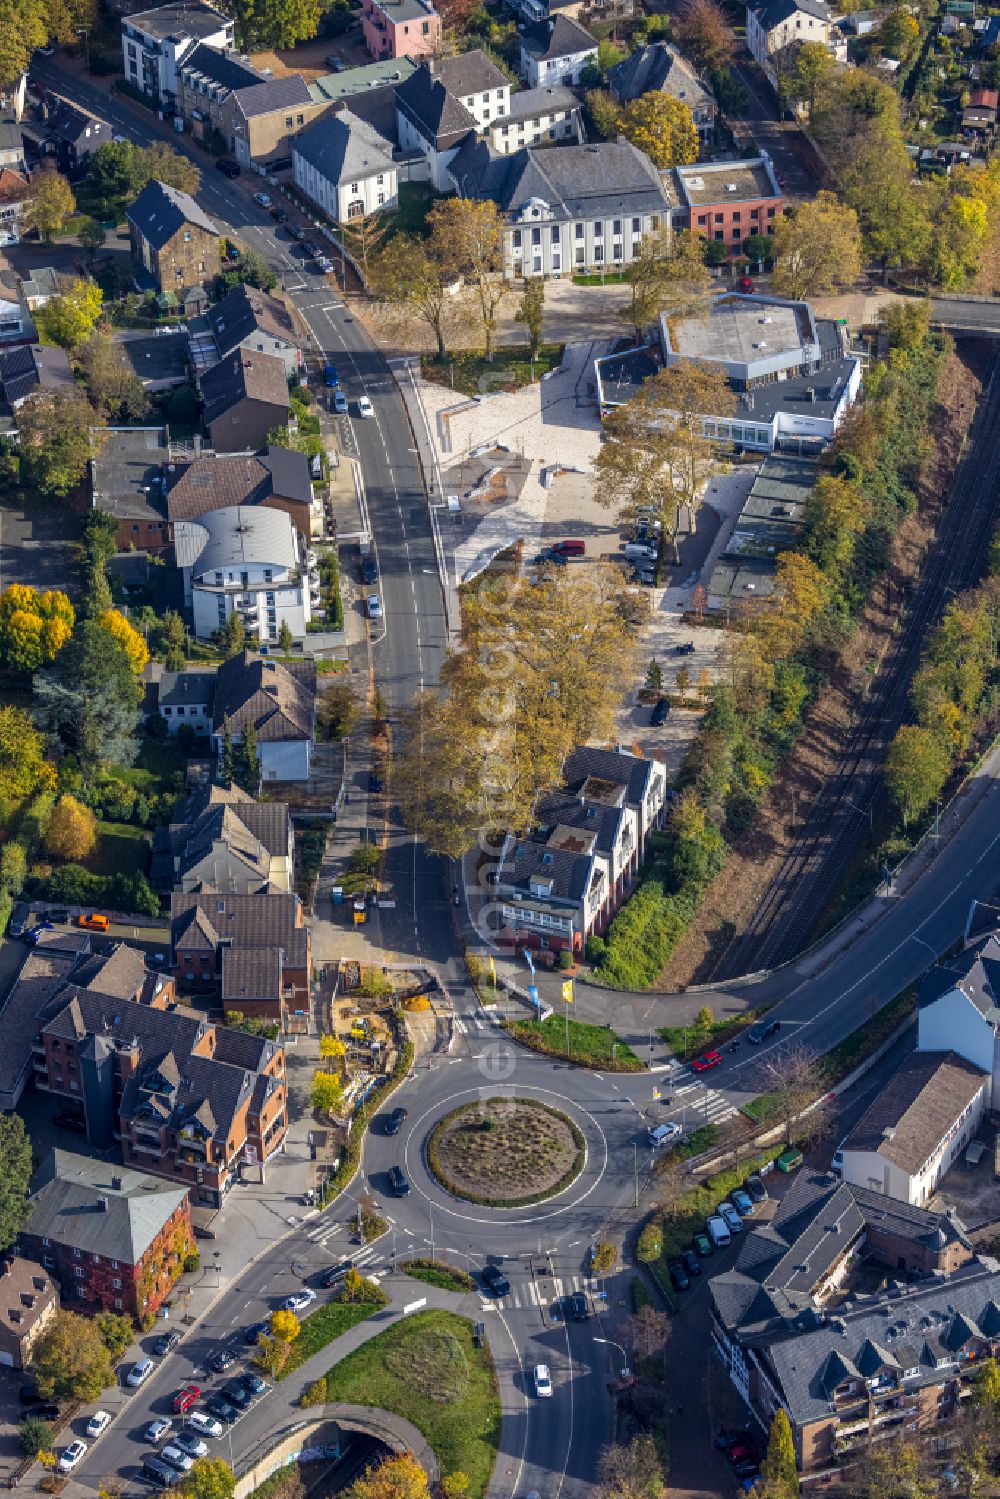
505, 1152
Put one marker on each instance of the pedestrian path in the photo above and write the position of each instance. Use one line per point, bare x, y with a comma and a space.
529, 1294
703, 1104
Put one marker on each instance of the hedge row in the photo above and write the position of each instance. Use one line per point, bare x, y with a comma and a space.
351, 1160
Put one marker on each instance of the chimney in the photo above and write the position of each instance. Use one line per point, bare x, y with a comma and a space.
102, 1204
116, 1184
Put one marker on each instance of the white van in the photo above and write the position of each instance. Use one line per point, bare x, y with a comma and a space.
718, 1232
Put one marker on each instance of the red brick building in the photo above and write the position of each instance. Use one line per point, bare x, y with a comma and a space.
253, 950
728, 201
113, 1237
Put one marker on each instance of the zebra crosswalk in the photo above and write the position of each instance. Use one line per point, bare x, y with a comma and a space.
702, 1104
468, 1025
528, 1294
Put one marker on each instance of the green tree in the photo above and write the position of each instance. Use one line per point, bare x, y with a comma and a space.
663, 127
56, 440
88, 701
232, 636
916, 768
531, 312
813, 62
35, 1435
71, 1360
631, 1470
466, 240
816, 248
252, 270
654, 676
667, 274
110, 379
778, 1469
92, 236
247, 760
262, 25
15, 1152
337, 711
227, 756
23, 767
604, 114
26, 28
49, 203
117, 1333
986, 1386
285, 637
209, 1478
758, 247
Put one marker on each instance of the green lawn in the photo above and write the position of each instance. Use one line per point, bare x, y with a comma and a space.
158, 761
610, 278
415, 203
121, 848
687, 1042
437, 1273
321, 1327
509, 369
428, 1370
590, 1045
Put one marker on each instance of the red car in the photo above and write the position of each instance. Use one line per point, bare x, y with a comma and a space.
185, 1398
706, 1061
742, 1453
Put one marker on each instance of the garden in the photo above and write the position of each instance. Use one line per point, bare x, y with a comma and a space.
505, 1152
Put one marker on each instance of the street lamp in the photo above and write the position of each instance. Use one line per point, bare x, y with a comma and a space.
626, 1371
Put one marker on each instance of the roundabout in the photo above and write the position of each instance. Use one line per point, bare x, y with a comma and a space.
505, 1152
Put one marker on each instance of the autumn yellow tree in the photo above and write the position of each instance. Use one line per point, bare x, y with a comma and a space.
331, 1048
49, 204
34, 626
816, 248
128, 638
72, 830
466, 239
835, 513
667, 274
399, 1477
663, 127
69, 319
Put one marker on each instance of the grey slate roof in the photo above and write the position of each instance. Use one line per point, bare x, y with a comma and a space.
529, 103
576, 182
251, 973
66, 1208
245, 921
771, 13
289, 472
469, 73
223, 838
262, 98
660, 67
342, 147
181, 18
570, 874
631, 771
560, 809
437, 114
220, 481
975, 971
227, 69
159, 211
559, 36
184, 688
30, 366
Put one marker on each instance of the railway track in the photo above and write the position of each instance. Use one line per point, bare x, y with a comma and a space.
832, 832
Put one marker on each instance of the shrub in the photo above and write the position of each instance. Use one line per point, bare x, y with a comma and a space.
314, 1394
191, 1262
565, 959
605, 1257
650, 1244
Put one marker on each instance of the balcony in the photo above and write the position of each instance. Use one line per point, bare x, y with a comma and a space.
146, 1147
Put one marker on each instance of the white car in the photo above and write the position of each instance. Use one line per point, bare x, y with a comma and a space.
543, 1381
662, 1134
71, 1455
374, 606
190, 1444
157, 1430
98, 1421
204, 1424
299, 1300
365, 407
264, 199
139, 1373
730, 1217
325, 264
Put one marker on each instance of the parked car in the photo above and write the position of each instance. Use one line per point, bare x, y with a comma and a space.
253, 1384
745, 284
35, 934
58, 915
190, 1444
206, 1426
577, 1309
221, 1361
228, 168
235, 1392
264, 199
310, 249
19, 918
98, 1422
726, 1440
255, 1330
324, 264
742, 1202
335, 63
279, 215
219, 1406
71, 1455
365, 407
718, 1232
691, 1262
660, 713
186, 1397
747, 1467
706, 1061
157, 1473
571, 548
703, 1245
139, 1373
741, 1451
686, 648
296, 232
374, 606
299, 1300
176, 1459
394, 1121
756, 1188
340, 407
730, 1217
543, 1381
679, 1277
157, 1430
760, 1032
166, 1342
330, 376
495, 1280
